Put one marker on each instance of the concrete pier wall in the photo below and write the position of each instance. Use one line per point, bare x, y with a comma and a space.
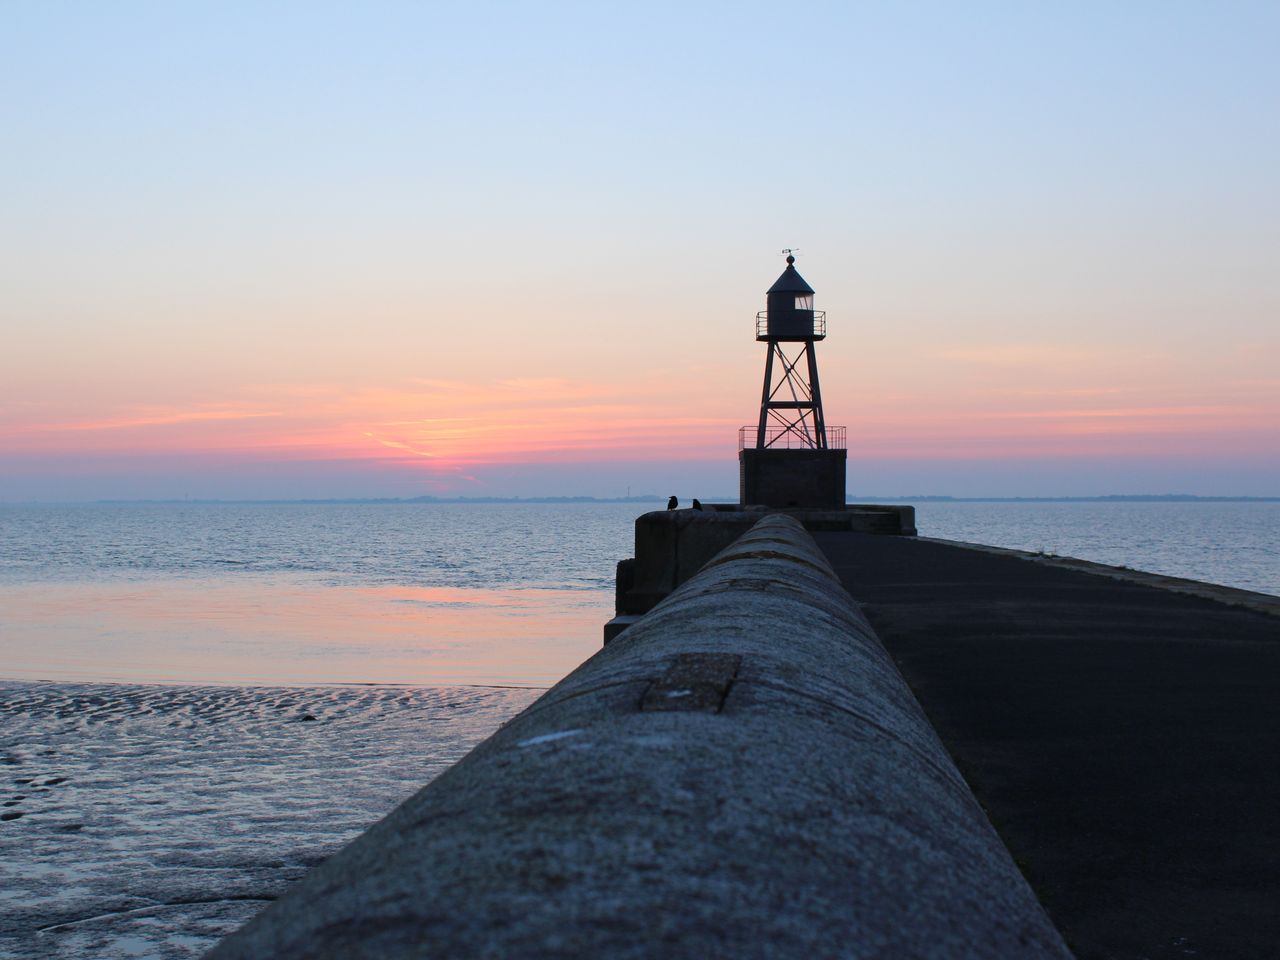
742, 773
672, 545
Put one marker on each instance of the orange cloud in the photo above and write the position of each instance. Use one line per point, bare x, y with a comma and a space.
461, 423
443, 426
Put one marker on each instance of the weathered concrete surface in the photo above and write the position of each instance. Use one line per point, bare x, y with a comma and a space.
1124, 739
741, 774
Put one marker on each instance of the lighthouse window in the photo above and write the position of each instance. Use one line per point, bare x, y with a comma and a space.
805, 302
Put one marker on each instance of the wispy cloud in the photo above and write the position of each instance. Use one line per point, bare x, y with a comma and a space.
146, 418
396, 445
437, 424
454, 428
1040, 355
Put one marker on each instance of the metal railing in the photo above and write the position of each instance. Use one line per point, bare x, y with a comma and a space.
790, 438
819, 323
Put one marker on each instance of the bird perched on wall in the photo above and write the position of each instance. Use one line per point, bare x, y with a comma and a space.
673, 502
697, 504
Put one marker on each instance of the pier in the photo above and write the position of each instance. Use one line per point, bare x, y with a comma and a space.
741, 772
1121, 729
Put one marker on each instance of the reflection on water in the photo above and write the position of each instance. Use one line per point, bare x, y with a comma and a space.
239, 631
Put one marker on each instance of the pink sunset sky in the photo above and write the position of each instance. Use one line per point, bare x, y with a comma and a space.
314, 252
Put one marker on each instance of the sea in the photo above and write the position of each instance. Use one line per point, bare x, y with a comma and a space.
200, 701
445, 593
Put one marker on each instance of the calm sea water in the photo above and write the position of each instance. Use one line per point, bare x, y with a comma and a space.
500, 546
307, 593
1236, 544
443, 593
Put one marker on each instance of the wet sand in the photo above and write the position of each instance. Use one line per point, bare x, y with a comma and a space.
149, 821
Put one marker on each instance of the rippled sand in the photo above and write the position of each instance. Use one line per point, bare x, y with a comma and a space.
148, 821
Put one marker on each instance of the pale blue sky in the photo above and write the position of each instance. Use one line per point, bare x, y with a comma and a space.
204, 200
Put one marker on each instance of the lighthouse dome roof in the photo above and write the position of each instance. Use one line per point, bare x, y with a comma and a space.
790, 281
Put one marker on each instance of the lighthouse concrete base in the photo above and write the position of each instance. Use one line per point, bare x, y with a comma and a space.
792, 478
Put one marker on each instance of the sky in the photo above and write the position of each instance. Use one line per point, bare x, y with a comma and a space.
261, 250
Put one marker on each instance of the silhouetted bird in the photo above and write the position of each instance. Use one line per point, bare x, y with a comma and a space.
673, 503
697, 504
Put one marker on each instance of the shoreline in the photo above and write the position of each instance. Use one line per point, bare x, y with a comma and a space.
227, 685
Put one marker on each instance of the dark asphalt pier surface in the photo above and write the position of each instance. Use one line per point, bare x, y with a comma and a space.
1124, 739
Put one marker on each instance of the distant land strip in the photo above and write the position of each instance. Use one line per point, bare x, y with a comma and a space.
654, 498
1107, 498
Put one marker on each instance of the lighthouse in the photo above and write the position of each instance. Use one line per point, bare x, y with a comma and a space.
791, 457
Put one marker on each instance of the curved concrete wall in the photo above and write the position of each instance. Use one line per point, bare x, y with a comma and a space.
743, 773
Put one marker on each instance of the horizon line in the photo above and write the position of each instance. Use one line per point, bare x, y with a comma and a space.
656, 498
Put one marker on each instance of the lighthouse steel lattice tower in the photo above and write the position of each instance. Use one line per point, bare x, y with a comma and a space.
796, 460
790, 318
